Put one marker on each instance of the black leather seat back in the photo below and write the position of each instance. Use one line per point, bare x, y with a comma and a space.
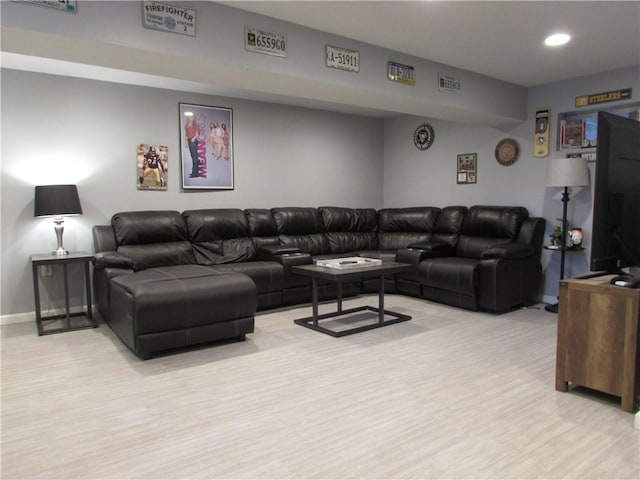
350, 229
302, 228
449, 224
400, 227
487, 226
152, 238
219, 235
262, 227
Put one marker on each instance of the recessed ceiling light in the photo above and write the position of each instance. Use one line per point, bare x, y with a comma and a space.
557, 39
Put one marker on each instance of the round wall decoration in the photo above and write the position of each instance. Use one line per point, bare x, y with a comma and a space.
423, 136
507, 151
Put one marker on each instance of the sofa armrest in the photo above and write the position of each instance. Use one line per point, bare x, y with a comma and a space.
416, 252
434, 249
269, 251
284, 255
508, 250
103, 260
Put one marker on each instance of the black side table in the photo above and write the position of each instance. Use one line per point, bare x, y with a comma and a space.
50, 259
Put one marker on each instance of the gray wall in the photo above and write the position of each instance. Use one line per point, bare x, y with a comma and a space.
61, 129
68, 130
413, 177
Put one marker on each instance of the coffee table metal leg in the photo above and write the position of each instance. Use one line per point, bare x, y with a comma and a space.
339, 287
314, 300
381, 300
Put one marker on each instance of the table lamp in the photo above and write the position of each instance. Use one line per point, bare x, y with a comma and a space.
56, 201
565, 173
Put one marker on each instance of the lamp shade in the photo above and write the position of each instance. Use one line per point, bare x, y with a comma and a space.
56, 200
567, 172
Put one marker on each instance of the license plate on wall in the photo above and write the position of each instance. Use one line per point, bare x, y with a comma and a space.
397, 72
342, 58
268, 43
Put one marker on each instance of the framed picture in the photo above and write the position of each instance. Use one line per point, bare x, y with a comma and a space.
151, 167
206, 147
467, 164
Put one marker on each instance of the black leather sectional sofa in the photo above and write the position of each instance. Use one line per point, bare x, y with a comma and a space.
165, 279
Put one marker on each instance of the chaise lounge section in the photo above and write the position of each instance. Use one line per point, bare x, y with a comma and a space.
166, 280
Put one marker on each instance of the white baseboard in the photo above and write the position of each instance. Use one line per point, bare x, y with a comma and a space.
18, 318
31, 316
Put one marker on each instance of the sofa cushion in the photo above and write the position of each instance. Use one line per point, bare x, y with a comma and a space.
174, 298
400, 227
262, 227
135, 228
268, 276
486, 227
219, 235
301, 227
449, 224
152, 239
494, 221
450, 273
350, 229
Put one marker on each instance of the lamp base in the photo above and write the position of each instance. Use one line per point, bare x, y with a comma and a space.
551, 308
59, 228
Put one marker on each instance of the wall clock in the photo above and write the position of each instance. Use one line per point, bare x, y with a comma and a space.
423, 136
507, 151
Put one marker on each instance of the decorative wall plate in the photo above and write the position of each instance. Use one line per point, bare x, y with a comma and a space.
423, 136
507, 151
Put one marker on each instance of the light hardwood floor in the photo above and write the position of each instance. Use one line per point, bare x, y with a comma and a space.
449, 394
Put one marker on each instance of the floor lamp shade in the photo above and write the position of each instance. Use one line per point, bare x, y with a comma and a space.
57, 201
567, 172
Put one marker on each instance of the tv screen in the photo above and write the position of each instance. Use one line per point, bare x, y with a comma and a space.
615, 234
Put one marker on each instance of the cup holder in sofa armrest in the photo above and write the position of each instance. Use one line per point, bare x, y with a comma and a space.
277, 250
284, 255
417, 252
434, 249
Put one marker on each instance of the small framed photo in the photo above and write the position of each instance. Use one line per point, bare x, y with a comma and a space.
467, 165
206, 147
151, 164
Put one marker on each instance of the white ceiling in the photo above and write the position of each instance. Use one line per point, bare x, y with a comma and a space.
503, 39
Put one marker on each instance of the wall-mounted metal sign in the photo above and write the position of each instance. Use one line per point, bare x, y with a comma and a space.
269, 43
168, 18
585, 100
448, 84
398, 72
342, 58
69, 6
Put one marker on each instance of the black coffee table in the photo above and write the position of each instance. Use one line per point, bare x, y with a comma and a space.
340, 275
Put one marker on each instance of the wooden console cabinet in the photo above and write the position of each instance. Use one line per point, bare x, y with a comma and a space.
598, 344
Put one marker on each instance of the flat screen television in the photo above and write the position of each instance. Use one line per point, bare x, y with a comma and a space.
615, 242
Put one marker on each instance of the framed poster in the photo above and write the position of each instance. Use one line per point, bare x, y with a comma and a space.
206, 147
151, 166
467, 164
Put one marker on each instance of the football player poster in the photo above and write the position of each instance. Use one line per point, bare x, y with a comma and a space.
151, 165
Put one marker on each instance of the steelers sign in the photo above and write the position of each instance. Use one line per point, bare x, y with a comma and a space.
423, 136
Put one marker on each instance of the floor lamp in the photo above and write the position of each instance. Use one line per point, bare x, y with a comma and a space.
565, 173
